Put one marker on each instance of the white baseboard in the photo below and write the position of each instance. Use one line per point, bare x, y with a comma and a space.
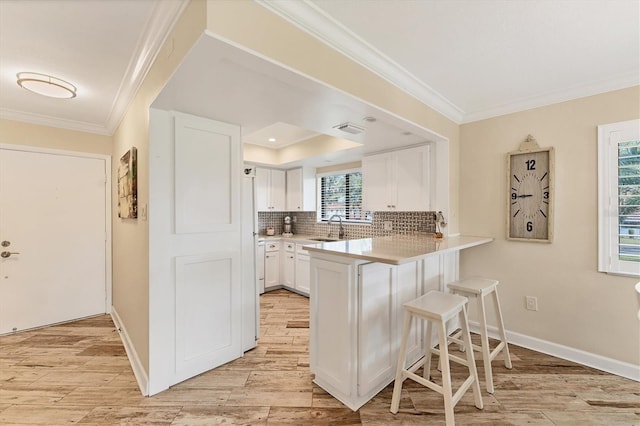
609, 365
134, 360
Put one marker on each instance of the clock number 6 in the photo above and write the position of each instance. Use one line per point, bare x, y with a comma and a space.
531, 164
529, 226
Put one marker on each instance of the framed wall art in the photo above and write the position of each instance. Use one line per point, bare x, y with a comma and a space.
128, 185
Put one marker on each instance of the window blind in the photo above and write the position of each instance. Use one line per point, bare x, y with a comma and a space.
629, 201
341, 194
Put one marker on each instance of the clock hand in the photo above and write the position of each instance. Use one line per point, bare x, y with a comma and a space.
525, 195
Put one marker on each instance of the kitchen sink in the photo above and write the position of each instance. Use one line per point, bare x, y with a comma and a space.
324, 240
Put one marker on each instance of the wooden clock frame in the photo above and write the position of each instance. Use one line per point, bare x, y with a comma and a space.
533, 219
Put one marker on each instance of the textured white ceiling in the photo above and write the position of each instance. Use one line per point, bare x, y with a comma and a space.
469, 59
103, 47
473, 59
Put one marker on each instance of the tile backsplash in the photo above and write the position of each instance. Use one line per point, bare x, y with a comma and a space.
305, 223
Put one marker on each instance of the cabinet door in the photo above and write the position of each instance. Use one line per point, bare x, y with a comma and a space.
271, 269
303, 274
288, 270
377, 333
409, 288
263, 177
294, 190
277, 193
412, 179
376, 175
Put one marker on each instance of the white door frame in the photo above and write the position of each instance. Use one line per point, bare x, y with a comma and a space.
108, 207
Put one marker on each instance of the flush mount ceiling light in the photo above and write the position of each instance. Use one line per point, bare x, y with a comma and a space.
349, 128
46, 85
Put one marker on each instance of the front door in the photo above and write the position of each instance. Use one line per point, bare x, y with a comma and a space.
52, 238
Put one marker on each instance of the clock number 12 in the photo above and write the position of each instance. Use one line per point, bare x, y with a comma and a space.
531, 164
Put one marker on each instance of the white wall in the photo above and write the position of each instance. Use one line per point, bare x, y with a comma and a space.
578, 306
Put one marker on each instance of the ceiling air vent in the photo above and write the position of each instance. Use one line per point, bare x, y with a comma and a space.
349, 128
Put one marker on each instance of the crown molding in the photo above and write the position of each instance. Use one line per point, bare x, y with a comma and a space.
160, 23
309, 18
60, 123
622, 81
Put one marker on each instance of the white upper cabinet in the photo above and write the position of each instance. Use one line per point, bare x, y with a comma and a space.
270, 189
301, 190
397, 181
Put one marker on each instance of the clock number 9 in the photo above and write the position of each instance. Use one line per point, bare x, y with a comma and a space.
514, 196
529, 226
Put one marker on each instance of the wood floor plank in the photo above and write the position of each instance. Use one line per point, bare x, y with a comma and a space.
191, 416
313, 416
151, 416
45, 415
249, 397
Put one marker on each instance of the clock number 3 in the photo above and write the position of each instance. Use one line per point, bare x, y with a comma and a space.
531, 164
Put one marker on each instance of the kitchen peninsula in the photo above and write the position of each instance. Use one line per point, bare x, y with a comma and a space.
357, 291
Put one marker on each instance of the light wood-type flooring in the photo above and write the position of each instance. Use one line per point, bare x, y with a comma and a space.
79, 373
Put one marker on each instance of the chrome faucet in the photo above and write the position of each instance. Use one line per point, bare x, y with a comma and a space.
341, 229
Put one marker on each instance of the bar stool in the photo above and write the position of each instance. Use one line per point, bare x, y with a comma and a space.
478, 289
436, 308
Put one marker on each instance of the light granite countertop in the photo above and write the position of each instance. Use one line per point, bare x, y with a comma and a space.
298, 238
397, 249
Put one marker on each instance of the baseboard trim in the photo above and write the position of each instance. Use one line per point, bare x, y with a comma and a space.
134, 360
609, 365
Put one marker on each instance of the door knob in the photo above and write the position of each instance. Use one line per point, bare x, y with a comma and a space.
6, 254
5, 243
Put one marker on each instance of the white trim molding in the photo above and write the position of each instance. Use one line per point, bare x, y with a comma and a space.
609, 365
136, 365
163, 19
59, 123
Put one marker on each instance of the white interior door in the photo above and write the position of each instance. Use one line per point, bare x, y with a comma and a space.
53, 222
195, 247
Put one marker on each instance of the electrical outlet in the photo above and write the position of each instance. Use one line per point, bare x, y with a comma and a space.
531, 303
387, 225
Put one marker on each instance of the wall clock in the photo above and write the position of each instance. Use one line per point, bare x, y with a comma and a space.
530, 193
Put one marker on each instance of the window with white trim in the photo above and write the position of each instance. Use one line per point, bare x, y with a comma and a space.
619, 198
340, 193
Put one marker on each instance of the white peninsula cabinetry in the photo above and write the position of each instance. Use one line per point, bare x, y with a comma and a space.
270, 189
397, 180
358, 288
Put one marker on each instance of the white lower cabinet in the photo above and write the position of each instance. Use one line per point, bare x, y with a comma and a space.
303, 270
356, 320
288, 270
286, 264
271, 264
